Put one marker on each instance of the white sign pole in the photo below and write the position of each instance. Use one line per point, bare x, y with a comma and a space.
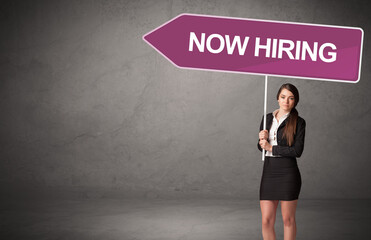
265, 111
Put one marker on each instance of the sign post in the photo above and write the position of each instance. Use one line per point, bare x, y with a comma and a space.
265, 110
260, 47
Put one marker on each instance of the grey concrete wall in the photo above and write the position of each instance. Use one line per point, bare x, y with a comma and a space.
88, 107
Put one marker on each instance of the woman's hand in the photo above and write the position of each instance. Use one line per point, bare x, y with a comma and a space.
263, 134
264, 144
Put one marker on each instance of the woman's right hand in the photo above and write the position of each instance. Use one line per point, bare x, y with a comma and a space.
263, 134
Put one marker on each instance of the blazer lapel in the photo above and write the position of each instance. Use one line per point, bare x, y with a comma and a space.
269, 121
283, 123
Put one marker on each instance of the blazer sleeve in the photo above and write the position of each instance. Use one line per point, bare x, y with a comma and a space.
261, 128
297, 148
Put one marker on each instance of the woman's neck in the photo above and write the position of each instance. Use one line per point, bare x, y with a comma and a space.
280, 113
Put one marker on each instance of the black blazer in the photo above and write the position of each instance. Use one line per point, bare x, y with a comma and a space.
283, 148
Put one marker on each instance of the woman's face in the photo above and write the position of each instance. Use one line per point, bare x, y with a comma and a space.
286, 100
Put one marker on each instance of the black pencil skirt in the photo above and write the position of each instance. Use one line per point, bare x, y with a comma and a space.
281, 179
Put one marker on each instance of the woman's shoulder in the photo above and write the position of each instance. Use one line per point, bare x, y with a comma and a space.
268, 115
301, 120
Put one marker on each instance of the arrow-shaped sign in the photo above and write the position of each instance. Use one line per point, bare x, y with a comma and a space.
263, 47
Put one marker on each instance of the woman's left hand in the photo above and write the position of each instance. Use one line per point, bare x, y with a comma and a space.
265, 145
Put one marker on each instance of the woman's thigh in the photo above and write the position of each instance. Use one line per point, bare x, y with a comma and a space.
268, 208
288, 208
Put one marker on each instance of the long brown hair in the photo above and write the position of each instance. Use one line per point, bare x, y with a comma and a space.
290, 128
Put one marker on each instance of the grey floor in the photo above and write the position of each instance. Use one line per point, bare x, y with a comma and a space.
187, 219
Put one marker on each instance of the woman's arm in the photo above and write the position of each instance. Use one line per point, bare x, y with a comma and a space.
297, 148
261, 128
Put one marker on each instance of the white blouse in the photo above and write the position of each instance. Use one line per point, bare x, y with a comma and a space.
272, 139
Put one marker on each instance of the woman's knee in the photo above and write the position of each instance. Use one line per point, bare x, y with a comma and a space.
288, 221
268, 221
268, 209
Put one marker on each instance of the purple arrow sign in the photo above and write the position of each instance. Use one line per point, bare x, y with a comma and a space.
323, 52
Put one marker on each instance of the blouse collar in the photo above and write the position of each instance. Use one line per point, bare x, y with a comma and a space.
284, 116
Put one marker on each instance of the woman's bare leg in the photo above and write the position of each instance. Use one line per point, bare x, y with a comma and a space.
288, 209
268, 210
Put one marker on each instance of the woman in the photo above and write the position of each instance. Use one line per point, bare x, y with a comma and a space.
281, 178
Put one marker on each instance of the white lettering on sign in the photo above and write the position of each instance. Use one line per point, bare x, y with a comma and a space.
274, 48
281, 46
221, 45
267, 47
236, 40
193, 39
306, 49
230, 47
332, 54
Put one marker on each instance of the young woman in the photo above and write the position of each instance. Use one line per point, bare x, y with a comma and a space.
281, 179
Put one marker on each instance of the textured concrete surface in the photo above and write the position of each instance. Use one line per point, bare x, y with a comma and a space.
190, 219
86, 104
